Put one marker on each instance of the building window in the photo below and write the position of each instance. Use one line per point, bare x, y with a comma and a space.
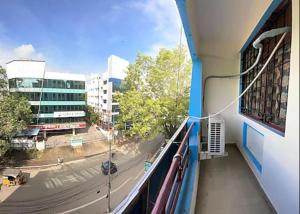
104, 101
115, 108
266, 100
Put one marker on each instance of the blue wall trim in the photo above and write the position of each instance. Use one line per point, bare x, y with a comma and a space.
256, 163
195, 109
262, 21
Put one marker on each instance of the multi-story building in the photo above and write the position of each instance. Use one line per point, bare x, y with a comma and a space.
100, 89
92, 88
57, 99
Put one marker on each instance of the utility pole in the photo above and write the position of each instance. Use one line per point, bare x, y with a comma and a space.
109, 163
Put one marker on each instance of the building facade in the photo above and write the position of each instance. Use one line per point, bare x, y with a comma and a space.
92, 88
101, 89
57, 99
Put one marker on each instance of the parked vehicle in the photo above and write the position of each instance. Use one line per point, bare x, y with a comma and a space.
105, 167
12, 177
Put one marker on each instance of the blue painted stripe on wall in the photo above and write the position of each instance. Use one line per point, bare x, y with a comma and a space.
262, 21
50, 115
256, 163
195, 109
62, 103
181, 5
49, 90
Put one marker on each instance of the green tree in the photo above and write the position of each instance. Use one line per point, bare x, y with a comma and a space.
92, 117
4, 147
15, 115
3, 82
157, 93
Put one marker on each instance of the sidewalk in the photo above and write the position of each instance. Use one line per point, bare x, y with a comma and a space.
49, 157
68, 153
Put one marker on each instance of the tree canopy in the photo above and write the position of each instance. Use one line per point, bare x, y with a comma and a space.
156, 93
3, 82
92, 117
15, 113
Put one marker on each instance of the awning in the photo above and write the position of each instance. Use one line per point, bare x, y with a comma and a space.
28, 133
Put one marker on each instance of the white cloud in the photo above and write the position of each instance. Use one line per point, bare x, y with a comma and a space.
167, 22
154, 48
24, 51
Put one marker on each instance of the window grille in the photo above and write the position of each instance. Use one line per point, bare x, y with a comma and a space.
266, 101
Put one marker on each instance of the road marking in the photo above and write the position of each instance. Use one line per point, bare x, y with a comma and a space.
33, 174
136, 177
49, 185
84, 205
79, 177
119, 187
56, 181
86, 174
96, 200
93, 171
70, 178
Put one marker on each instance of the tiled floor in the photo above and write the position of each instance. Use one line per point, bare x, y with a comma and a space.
227, 185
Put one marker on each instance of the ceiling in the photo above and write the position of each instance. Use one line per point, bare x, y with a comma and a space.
221, 27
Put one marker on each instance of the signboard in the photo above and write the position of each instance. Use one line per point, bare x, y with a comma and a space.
59, 114
147, 165
60, 126
76, 142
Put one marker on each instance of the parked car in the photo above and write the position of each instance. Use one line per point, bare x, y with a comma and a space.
105, 167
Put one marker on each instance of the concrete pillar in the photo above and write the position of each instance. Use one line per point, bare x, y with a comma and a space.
74, 133
45, 134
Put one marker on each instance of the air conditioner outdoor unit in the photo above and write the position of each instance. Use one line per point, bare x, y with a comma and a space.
216, 135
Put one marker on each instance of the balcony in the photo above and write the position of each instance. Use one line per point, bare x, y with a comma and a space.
167, 187
261, 172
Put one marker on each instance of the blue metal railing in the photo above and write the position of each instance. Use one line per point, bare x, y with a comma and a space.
144, 194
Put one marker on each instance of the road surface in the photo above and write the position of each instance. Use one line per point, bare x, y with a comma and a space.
73, 188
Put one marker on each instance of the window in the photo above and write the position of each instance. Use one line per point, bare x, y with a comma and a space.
104, 91
115, 108
104, 101
266, 101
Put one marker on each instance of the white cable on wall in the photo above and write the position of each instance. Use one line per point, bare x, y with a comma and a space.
249, 86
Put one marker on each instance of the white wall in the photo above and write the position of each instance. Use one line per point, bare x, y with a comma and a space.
279, 155
25, 69
92, 88
117, 67
280, 165
219, 92
36, 69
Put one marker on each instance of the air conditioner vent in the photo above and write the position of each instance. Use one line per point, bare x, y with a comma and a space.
216, 135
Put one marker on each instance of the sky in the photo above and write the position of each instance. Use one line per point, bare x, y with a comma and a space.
79, 35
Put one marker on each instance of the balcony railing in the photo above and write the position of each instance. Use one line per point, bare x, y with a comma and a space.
158, 190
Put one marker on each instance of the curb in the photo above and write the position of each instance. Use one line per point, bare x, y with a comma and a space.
56, 164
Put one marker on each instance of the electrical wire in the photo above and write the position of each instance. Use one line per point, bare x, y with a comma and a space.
257, 45
249, 86
179, 65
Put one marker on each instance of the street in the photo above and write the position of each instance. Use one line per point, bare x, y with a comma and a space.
74, 188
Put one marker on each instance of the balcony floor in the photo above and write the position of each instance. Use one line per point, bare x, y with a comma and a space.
227, 185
